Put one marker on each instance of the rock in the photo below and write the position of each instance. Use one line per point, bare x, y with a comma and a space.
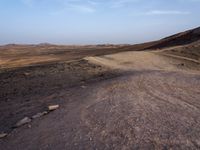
23, 121
197, 142
26, 74
38, 115
83, 87
53, 107
2, 135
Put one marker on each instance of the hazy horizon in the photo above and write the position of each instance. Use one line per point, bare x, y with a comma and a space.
79, 22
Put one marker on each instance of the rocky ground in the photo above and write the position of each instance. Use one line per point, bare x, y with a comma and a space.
91, 99
128, 100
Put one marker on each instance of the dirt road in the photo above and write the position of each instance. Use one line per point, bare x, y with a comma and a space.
146, 60
153, 103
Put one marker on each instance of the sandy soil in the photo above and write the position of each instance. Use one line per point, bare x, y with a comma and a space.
146, 60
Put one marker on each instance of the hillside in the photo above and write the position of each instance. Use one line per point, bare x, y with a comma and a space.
182, 38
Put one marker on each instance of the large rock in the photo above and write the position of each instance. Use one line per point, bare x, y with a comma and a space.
38, 115
23, 121
2, 135
53, 107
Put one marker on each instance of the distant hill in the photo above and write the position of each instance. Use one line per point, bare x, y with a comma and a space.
182, 38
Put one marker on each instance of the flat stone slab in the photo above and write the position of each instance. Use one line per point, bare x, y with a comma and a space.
53, 107
23, 121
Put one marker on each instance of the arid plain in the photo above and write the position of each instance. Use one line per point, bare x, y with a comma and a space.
144, 96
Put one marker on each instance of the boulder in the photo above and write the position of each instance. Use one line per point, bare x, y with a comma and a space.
53, 107
2, 135
23, 121
38, 115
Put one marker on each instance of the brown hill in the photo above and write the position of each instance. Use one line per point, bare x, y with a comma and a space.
182, 38
179, 39
14, 55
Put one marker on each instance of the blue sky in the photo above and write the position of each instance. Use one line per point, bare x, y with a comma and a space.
94, 21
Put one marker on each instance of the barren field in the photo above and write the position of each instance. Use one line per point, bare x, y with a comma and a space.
110, 97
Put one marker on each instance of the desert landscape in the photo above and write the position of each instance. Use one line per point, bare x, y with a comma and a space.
144, 96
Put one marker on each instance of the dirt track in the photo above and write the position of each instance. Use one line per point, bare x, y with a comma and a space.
150, 102
150, 109
146, 60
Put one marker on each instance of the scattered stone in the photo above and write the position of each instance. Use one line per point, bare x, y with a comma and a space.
26, 74
82, 82
83, 87
2, 135
38, 115
198, 142
23, 121
53, 107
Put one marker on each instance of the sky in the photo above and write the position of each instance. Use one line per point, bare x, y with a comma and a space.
94, 21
